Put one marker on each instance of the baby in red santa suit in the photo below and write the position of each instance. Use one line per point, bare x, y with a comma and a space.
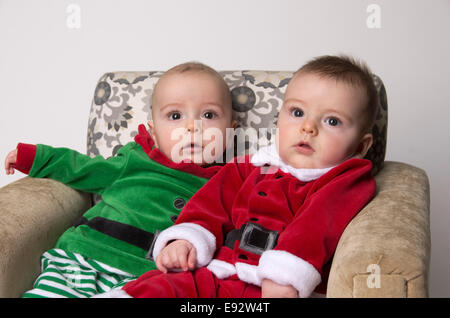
267, 225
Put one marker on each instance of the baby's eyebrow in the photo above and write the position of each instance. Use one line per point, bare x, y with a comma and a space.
169, 105
213, 104
290, 100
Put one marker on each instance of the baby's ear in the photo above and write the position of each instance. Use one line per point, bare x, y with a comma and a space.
152, 131
364, 145
150, 127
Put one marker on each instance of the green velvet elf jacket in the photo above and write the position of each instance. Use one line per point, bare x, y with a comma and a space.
139, 187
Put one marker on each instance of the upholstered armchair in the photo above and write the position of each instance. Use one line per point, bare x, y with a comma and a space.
384, 251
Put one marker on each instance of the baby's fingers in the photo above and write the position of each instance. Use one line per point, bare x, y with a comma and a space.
9, 167
182, 261
160, 264
192, 259
10, 160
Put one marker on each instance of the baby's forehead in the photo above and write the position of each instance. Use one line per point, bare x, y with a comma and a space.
309, 80
211, 85
310, 89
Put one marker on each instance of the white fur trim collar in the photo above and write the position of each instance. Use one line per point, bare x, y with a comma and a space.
269, 155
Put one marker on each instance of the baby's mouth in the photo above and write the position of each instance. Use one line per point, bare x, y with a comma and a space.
305, 147
192, 147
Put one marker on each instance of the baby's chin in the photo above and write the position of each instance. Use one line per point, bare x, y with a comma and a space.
301, 163
195, 160
188, 160
305, 164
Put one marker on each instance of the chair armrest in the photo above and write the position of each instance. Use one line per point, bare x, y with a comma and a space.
34, 213
385, 249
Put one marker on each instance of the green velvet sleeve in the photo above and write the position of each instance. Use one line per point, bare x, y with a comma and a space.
77, 170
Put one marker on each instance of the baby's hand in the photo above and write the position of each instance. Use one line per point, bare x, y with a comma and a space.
270, 289
10, 161
178, 254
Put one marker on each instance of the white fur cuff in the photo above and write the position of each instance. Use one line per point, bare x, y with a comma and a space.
287, 269
202, 239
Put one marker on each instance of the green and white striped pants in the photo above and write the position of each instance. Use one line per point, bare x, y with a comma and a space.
70, 275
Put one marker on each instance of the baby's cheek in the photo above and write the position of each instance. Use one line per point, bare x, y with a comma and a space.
336, 154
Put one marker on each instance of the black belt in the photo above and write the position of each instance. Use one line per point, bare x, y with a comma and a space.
253, 238
124, 232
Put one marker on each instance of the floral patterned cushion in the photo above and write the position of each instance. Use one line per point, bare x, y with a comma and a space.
122, 101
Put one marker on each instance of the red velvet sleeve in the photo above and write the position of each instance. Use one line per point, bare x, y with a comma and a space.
25, 157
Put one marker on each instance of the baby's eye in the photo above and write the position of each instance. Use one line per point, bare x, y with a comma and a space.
210, 115
332, 121
174, 115
297, 112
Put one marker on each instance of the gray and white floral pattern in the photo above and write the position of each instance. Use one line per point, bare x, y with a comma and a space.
122, 101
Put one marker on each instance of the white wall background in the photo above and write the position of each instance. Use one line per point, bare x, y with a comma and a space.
48, 71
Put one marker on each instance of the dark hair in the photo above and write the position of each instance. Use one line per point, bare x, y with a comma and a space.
350, 71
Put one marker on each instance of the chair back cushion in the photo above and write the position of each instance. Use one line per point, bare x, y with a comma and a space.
122, 101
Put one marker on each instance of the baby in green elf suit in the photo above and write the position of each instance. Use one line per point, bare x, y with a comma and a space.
143, 187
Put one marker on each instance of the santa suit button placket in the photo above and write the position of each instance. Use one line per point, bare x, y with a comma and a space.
179, 203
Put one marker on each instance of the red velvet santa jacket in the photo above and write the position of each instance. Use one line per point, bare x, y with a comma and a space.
309, 216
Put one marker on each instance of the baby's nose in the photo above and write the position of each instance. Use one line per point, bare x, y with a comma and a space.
309, 127
193, 125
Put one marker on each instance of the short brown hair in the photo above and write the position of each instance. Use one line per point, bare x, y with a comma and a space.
350, 71
197, 67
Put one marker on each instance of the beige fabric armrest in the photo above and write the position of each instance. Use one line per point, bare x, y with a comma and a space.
393, 233
34, 213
